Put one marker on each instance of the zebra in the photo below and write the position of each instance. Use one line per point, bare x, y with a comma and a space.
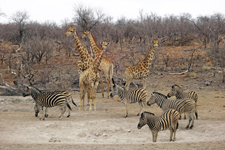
48, 99
169, 119
67, 94
181, 105
177, 91
131, 96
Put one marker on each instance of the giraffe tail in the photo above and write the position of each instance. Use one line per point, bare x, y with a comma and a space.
111, 76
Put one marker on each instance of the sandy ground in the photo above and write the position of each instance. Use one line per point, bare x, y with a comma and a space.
106, 128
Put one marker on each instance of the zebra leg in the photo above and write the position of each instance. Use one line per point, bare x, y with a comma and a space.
171, 133
36, 110
46, 110
154, 135
68, 113
140, 104
190, 116
184, 115
41, 117
62, 109
193, 118
126, 112
175, 130
196, 114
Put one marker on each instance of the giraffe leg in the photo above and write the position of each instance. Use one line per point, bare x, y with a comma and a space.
91, 93
101, 84
127, 84
110, 76
108, 82
144, 83
82, 95
94, 94
88, 96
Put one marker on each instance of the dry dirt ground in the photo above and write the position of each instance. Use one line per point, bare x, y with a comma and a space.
106, 128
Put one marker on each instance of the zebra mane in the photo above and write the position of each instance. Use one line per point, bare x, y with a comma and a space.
160, 94
149, 113
36, 89
176, 85
120, 87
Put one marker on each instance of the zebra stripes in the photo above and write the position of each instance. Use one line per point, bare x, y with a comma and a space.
131, 96
48, 99
177, 91
67, 94
181, 105
169, 119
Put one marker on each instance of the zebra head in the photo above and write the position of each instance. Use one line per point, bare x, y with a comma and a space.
27, 91
144, 119
174, 90
30, 90
115, 89
152, 99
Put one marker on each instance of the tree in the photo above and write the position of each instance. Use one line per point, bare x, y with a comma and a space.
20, 18
87, 18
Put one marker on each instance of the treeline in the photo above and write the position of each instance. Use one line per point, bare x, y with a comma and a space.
39, 41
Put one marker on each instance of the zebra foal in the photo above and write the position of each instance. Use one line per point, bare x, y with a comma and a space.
130, 96
47, 99
67, 94
181, 105
169, 119
177, 91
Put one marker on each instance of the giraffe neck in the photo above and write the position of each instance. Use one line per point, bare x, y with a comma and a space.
96, 49
147, 61
97, 62
84, 55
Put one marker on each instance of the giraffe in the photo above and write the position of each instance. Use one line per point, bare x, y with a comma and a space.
208, 62
106, 65
141, 71
84, 60
88, 80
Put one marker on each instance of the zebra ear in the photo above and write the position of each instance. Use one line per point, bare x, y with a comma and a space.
142, 115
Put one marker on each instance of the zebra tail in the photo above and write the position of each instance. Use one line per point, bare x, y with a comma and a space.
68, 105
177, 125
74, 103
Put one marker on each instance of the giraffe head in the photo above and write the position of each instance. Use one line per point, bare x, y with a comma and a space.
155, 43
85, 34
70, 31
104, 45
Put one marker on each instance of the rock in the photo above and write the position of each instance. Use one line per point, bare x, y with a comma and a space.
54, 140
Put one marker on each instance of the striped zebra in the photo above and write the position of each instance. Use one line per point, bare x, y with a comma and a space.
67, 94
131, 96
177, 91
48, 99
169, 119
181, 105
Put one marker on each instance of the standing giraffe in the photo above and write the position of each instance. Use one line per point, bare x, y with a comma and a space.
85, 60
106, 65
88, 80
141, 71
